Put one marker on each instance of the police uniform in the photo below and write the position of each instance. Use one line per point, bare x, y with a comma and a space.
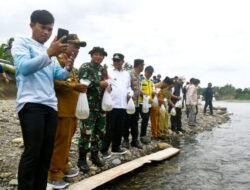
147, 89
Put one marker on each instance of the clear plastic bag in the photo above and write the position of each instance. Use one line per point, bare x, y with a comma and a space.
145, 104
107, 101
166, 103
162, 109
155, 101
131, 106
82, 107
178, 104
173, 112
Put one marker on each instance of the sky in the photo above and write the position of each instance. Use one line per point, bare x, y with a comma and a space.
204, 39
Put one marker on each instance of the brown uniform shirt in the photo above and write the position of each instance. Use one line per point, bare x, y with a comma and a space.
65, 93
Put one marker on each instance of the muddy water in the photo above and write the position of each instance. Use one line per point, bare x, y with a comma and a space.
212, 160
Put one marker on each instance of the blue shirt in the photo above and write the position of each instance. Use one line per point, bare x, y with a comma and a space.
35, 73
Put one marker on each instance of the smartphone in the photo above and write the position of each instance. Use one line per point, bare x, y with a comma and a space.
62, 32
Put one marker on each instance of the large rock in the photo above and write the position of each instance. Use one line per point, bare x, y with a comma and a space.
163, 145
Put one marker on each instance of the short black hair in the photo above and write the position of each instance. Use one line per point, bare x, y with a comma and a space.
192, 80
168, 81
138, 62
43, 17
149, 69
196, 81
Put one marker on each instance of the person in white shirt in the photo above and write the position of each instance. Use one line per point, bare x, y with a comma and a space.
192, 101
119, 81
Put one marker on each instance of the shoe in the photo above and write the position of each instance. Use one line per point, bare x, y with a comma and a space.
145, 140
96, 160
58, 184
136, 144
71, 173
119, 151
82, 162
106, 155
125, 144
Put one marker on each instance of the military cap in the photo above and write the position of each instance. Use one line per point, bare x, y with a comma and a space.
73, 39
98, 50
118, 56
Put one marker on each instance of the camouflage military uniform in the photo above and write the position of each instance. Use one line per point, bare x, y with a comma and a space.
93, 128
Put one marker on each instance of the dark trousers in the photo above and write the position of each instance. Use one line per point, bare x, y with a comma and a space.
131, 125
38, 123
210, 104
196, 112
176, 120
144, 122
184, 100
114, 129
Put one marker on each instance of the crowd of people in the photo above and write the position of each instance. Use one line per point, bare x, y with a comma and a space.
48, 90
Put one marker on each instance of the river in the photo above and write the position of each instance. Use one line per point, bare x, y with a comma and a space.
218, 159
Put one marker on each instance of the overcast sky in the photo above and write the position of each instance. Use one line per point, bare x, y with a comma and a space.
205, 39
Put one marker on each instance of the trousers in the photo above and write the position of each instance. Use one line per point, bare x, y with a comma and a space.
38, 123
60, 158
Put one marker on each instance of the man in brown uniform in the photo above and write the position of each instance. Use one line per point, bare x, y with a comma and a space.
67, 93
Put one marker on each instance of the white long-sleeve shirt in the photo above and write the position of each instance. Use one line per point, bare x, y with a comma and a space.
120, 84
192, 95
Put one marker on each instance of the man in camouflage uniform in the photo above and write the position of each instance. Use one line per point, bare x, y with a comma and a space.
93, 128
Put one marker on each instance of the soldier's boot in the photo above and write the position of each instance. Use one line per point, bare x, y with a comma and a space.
82, 162
96, 160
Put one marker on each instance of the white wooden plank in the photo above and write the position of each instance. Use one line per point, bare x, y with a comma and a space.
108, 175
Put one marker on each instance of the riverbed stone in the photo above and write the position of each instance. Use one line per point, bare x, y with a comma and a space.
163, 145
116, 162
13, 182
5, 174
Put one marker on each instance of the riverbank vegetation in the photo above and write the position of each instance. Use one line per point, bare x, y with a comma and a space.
229, 92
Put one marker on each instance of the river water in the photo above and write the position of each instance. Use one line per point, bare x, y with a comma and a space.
212, 160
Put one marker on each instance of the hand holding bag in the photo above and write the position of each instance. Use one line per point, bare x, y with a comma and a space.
82, 107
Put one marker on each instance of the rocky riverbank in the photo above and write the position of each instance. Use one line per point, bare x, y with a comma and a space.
12, 144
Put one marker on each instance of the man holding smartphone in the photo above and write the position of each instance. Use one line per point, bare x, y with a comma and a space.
36, 71
67, 93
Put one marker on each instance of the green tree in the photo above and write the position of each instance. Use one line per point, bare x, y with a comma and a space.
127, 66
5, 49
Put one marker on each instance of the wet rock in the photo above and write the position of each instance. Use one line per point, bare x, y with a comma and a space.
116, 162
221, 112
93, 168
4, 120
163, 145
18, 140
13, 182
5, 174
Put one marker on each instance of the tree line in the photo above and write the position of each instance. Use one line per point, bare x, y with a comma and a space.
229, 92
